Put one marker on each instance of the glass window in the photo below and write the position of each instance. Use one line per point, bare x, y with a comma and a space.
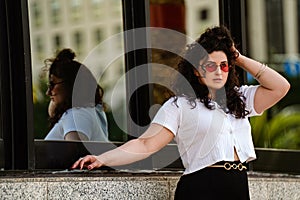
76, 10
98, 36
273, 37
39, 46
274, 17
36, 12
186, 19
78, 40
203, 14
55, 8
97, 43
51, 27
272, 30
200, 15
298, 19
96, 9
57, 41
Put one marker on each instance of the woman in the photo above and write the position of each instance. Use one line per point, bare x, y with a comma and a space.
209, 122
76, 106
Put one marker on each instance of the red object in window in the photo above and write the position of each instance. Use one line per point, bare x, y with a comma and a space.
168, 15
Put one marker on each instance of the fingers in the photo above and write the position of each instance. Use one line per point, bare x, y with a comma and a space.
90, 162
233, 48
93, 165
81, 162
76, 164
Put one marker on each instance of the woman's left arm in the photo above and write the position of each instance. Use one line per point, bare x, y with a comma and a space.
75, 135
273, 86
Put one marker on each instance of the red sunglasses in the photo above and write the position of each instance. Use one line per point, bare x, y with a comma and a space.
212, 66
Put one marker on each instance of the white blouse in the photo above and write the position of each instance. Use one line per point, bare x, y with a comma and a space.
206, 136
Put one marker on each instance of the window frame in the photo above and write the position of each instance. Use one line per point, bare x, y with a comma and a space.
16, 87
19, 150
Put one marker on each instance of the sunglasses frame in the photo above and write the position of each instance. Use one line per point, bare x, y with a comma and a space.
51, 84
224, 63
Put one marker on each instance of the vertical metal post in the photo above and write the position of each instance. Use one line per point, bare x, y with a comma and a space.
16, 86
135, 17
233, 16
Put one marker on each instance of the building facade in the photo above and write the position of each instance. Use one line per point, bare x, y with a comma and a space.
117, 39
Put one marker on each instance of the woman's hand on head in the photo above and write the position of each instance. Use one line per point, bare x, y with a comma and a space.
235, 52
51, 108
89, 162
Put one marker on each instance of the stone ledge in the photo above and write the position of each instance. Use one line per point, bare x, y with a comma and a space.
128, 185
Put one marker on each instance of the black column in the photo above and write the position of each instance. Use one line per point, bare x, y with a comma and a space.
16, 86
135, 16
233, 16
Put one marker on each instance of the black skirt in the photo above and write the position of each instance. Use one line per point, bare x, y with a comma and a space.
212, 184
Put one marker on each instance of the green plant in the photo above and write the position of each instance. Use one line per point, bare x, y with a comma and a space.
282, 130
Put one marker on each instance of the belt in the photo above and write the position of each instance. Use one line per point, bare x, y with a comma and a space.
230, 166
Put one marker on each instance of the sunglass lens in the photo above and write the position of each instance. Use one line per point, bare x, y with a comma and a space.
224, 67
211, 67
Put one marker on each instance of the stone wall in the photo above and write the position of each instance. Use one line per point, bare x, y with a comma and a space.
128, 185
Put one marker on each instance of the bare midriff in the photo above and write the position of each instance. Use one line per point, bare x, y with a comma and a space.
236, 157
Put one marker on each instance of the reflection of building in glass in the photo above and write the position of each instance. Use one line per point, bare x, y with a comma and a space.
78, 24
273, 29
82, 25
200, 15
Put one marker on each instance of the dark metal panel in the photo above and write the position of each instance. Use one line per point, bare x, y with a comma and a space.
5, 103
60, 155
268, 160
233, 15
277, 161
16, 92
1, 154
135, 19
168, 158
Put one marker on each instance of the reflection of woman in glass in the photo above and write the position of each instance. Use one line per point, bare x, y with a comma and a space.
208, 120
76, 107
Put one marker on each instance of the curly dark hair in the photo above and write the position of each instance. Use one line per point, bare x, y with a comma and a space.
213, 39
80, 86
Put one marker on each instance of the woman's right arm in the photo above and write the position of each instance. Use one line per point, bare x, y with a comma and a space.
154, 139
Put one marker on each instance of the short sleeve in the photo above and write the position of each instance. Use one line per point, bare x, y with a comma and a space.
168, 116
249, 93
78, 120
